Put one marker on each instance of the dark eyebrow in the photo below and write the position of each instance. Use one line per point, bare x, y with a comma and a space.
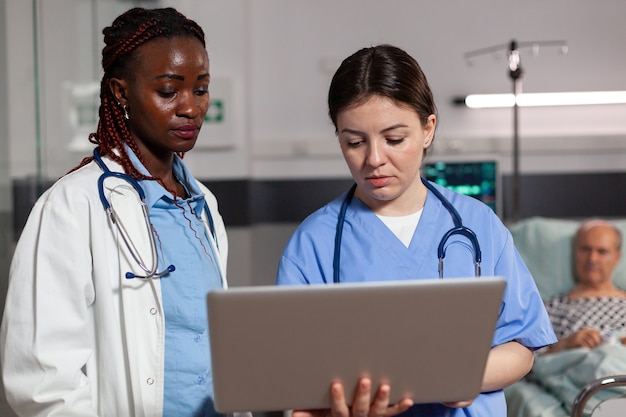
393, 127
353, 131
171, 76
180, 77
387, 129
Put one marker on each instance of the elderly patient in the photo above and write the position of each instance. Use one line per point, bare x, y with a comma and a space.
594, 311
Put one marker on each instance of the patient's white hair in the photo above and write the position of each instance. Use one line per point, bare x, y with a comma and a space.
591, 223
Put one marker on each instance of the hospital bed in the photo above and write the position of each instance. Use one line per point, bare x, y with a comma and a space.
599, 390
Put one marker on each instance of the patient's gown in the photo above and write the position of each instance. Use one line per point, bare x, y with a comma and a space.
607, 314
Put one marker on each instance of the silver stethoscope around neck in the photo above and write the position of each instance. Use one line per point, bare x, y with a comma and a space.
152, 270
458, 229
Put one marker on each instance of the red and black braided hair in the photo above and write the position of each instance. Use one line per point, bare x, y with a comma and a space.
128, 32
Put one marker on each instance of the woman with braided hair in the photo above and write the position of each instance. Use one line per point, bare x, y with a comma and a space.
105, 313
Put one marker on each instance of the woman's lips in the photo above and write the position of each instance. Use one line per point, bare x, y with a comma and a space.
379, 181
187, 132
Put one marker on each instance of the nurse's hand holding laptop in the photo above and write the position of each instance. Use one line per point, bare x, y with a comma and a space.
362, 405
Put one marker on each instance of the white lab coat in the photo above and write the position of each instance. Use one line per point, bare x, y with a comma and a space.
78, 338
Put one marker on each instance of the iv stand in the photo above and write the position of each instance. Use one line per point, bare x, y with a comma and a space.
515, 74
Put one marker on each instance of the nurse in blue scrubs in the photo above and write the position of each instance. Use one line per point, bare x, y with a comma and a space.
385, 118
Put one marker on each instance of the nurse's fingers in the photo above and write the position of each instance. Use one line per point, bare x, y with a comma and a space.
338, 404
362, 405
399, 407
380, 405
309, 413
362, 398
381, 408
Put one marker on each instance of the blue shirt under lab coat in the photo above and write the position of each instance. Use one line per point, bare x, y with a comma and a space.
370, 251
182, 241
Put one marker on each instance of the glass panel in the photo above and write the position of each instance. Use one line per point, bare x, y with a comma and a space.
69, 35
6, 201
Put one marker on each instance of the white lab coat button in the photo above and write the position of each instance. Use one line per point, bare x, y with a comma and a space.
153, 311
149, 381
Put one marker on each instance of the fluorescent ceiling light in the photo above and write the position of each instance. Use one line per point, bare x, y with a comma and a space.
481, 101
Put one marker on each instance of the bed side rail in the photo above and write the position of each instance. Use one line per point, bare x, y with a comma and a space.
593, 387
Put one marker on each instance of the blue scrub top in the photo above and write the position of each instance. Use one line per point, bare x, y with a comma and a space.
369, 249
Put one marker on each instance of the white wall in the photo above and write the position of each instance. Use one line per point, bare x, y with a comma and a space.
295, 46
280, 56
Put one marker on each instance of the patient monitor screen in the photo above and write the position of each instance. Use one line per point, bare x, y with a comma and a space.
478, 179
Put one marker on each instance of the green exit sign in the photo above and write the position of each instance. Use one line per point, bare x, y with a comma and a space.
215, 114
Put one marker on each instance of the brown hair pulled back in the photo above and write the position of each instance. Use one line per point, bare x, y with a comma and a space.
382, 70
128, 32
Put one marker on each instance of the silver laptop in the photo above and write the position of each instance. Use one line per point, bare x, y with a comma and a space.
278, 348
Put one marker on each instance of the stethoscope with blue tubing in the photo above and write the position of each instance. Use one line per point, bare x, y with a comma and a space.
458, 229
149, 271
